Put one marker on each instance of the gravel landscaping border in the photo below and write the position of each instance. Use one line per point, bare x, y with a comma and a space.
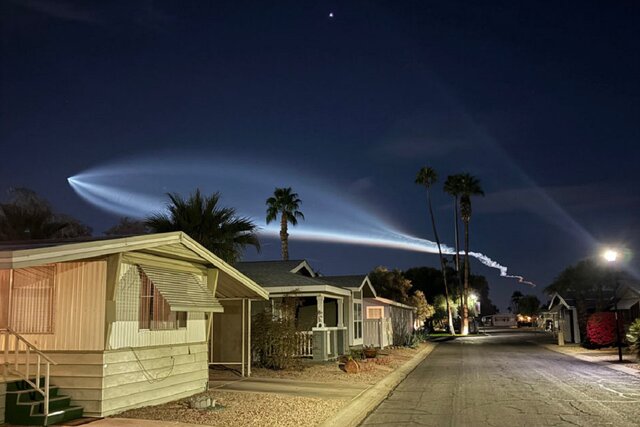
270, 409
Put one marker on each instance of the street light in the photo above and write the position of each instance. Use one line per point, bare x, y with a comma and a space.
611, 256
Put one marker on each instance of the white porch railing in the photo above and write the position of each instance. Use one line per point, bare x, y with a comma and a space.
17, 352
304, 343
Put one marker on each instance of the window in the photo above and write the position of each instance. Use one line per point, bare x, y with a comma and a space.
375, 312
32, 300
357, 320
155, 312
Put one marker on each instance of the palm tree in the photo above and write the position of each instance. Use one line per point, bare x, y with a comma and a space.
218, 229
470, 186
453, 186
286, 204
427, 176
515, 301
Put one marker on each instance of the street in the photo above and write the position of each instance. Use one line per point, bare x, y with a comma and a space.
505, 379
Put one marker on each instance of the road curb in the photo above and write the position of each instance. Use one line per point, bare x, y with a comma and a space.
619, 368
362, 405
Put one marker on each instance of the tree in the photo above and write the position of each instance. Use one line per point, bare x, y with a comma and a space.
219, 229
424, 311
286, 204
27, 216
453, 186
427, 176
470, 186
528, 305
390, 284
515, 301
128, 227
587, 280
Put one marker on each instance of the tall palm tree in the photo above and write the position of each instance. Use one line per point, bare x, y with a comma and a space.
218, 229
427, 176
453, 186
470, 186
286, 204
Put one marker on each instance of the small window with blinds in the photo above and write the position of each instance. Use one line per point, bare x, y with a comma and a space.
375, 312
155, 313
32, 300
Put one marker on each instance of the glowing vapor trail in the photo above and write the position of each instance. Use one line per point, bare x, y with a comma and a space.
136, 188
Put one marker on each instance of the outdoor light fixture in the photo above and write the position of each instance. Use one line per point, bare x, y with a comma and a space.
611, 256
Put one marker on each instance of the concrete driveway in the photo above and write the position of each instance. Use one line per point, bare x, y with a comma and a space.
506, 379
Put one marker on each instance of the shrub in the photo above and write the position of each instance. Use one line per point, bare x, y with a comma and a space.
601, 329
633, 336
274, 336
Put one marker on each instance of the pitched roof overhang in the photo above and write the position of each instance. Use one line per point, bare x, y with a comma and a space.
175, 245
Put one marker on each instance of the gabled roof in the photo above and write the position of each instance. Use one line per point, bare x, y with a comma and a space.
175, 245
557, 299
353, 282
300, 266
287, 276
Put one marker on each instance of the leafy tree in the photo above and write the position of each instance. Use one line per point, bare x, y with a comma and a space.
427, 176
423, 310
470, 186
633, 336
515, 301
390, 284
27, 216
454, 187
218, 229
286, 204
128, 227
587, 280
528, 305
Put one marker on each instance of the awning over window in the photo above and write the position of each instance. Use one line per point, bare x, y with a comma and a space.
182, 290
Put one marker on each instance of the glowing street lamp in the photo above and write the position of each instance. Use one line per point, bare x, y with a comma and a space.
611, 256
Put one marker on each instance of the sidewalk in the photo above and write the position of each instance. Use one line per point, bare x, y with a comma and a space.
607, 357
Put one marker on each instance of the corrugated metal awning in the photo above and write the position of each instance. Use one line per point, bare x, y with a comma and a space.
182, 290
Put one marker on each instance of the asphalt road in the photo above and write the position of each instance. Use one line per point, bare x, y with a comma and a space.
505, 379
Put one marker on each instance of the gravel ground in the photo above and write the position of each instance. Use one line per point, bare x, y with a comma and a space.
371, 371
244, 409
269, 409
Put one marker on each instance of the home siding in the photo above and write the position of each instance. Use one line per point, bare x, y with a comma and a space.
79, 375
78, 314
125, 330
137, 377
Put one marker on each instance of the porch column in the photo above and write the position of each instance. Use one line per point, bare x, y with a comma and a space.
320, 311
340, 313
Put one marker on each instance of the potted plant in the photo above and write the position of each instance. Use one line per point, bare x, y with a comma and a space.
370, 352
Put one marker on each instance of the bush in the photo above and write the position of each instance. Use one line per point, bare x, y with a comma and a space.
601, 329
274, 337
633, 336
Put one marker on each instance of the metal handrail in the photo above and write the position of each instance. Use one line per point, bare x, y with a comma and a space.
41, 359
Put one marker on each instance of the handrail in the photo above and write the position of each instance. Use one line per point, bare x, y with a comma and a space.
41, 359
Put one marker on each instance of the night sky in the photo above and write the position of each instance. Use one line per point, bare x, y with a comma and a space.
540, 101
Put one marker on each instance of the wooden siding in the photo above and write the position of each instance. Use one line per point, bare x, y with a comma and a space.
80, 375
154, 375
125, 330
78, 312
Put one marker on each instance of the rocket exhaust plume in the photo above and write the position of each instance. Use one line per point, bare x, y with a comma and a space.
137, 188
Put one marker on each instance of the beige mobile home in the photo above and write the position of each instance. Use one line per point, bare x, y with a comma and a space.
118, 323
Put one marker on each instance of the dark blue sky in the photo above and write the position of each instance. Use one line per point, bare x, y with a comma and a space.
540, 101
